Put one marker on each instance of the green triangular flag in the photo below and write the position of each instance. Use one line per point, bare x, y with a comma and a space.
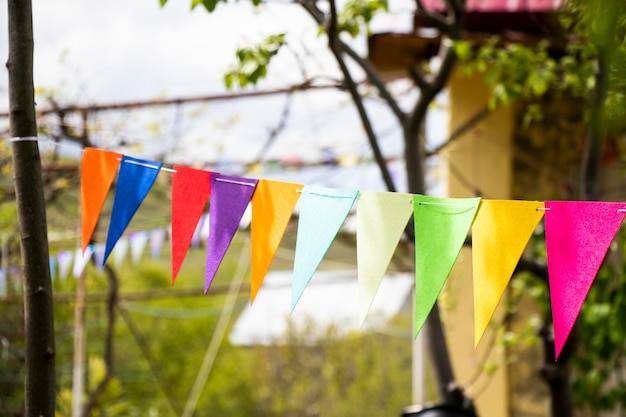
441, 226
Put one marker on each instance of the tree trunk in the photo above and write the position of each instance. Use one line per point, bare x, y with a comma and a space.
415, 159
556, 374
39, 383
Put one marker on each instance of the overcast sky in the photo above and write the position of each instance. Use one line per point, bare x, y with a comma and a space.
93, 51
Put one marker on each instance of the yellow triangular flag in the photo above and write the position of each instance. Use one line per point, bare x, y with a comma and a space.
272, 205
500, 233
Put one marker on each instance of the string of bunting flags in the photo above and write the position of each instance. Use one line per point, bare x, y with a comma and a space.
578, 234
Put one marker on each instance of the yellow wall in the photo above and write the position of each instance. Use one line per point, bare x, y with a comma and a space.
481, 160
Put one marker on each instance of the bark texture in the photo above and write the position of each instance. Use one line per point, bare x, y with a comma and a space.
39, 383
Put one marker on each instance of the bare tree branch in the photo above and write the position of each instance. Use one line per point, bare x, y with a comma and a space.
374, 77
471, 122
112, 297
418, 78
433, 17
370, 71
333, 43
154, 367
311, 7
275, 131
414, 149
454, 7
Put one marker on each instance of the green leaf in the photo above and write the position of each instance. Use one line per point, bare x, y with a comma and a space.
539, 86
252, 62
210, 5
357, 15
463, 50
229, 78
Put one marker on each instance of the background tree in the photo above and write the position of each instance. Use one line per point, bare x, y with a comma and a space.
516, 73
430, 80
253, 64
39, 386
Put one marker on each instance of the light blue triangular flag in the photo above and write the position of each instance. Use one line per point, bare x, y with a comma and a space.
322, 213
135, 179
53, 267
98, 254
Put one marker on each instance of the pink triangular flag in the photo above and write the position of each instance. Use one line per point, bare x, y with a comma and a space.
190, 192
578, 235
229, 198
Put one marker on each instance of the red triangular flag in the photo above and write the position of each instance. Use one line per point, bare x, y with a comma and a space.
190, 192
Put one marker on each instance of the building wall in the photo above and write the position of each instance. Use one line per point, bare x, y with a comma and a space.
478, 163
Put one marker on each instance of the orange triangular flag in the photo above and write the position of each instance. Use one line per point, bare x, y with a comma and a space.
97, 172
272, 205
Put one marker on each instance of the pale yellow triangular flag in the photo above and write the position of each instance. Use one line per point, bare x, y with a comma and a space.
500, 233
381, 219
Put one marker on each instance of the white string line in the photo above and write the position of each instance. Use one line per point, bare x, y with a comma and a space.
434, 203
44, 140
24, 139
129, 161
330, 195
52, 142
548, 209
235, 182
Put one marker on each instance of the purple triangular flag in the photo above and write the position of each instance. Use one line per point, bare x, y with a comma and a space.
135, 179
64, 260
578, 235
229, 198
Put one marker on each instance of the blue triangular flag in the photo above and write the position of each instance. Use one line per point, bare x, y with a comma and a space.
135, 179
322, 213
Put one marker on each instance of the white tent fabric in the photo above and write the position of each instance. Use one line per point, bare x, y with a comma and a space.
331, 299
